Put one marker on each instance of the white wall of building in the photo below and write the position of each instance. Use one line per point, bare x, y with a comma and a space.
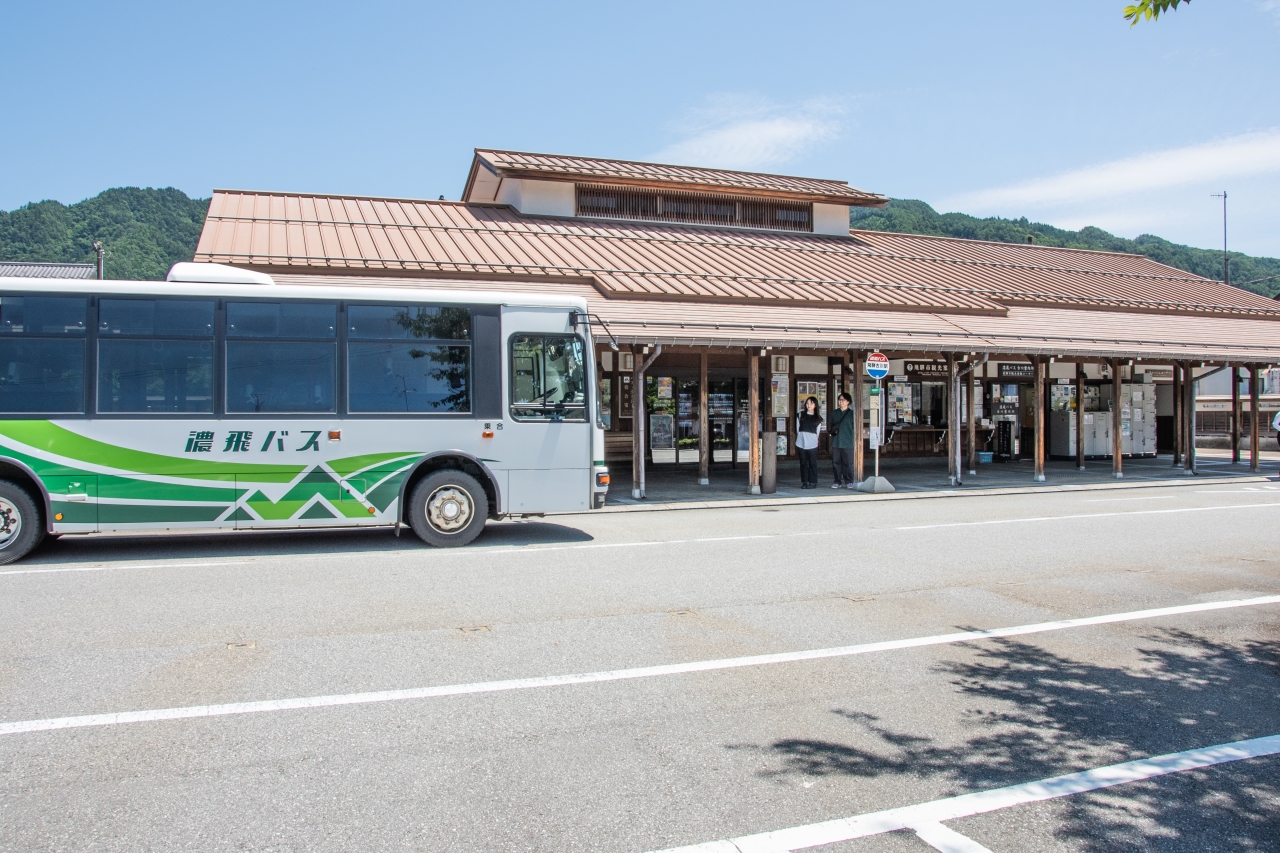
537, 198
831, 219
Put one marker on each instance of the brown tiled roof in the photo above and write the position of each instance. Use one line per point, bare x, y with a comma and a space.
868, 270
520, 164
1030, 330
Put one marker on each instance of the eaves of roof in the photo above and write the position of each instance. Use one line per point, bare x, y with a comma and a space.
556, 167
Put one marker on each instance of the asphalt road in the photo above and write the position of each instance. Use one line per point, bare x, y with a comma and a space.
511, 758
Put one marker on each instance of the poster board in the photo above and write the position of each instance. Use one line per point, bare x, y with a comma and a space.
780, 386
805, 390
662, 435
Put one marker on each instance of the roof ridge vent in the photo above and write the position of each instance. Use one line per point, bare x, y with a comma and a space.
216, 274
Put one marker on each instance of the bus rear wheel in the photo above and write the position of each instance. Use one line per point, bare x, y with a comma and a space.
448, 509
21, 527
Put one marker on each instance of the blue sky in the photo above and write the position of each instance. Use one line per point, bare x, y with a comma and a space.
1056, 111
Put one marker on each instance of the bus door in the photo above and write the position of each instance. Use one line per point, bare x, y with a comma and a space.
547, 443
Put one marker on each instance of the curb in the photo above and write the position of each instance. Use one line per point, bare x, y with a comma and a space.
941, 493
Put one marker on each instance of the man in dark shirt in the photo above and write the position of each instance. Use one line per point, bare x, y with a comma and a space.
842, 443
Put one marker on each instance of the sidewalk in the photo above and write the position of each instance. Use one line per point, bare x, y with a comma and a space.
671, 487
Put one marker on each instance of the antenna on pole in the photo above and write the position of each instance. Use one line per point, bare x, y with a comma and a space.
1226, 269
102, 253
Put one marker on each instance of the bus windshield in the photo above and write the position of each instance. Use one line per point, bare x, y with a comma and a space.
548, 378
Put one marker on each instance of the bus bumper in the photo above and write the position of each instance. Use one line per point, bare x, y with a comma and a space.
600, 487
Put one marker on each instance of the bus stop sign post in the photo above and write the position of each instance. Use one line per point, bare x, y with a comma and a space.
877, 367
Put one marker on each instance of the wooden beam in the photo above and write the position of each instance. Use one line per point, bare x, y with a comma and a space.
704, 424
753, 421
1235, 414
1189, 419
1041, 368
953, 421
1255, 433
858, 451
1117, 443
1177, 414
639, 420
972, 383
1080, 416
637, 424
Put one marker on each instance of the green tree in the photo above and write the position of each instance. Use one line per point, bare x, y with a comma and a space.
146, 231
1149, 10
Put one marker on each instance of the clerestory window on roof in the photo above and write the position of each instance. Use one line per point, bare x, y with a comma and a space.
699, 208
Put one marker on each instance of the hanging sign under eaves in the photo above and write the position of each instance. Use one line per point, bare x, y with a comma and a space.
1017, 370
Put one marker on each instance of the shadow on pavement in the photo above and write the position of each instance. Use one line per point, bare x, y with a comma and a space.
1043, 715
113, 548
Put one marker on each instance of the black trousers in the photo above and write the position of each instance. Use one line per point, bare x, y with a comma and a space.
808, 466
842, 464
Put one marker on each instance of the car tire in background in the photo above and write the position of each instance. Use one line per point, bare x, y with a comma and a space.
448, 508
21, 522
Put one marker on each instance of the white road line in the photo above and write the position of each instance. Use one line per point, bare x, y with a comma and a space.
946, 839
122, 568
1113, 500
967, 805
189, 712
541, 549
1085, 515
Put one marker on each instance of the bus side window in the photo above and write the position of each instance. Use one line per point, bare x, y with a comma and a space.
281, 357
548, 378
155, 356
408, 359
42, 354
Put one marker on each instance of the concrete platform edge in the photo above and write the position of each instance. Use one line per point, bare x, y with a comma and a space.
962, 491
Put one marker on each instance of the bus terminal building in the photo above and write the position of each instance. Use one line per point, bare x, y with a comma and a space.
731, 297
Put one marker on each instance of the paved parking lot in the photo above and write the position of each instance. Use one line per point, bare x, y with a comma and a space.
738, 679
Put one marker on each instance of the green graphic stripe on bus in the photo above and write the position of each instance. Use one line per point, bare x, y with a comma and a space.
127, 488
352, 464
51, 438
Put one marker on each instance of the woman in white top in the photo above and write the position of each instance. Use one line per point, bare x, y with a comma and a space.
808, 423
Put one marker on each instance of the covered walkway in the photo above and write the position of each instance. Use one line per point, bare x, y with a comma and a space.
667, 485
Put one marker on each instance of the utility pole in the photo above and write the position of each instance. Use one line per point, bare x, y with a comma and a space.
1226, 268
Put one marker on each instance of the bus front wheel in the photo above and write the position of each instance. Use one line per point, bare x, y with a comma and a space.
448, 509
21, 527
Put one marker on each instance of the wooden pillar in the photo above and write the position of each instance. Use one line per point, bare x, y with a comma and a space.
1255, 432
1117, 442
953, 422
637, 424
1235, 414
858, 452
753, 421
970, 378
639, 419
1080, 415
1189, 419
1041, 366
704, 424
1177, 414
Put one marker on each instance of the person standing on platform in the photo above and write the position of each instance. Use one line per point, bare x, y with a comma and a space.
841, 430
808, 423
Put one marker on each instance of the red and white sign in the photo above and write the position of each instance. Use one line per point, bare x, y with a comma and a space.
877, 365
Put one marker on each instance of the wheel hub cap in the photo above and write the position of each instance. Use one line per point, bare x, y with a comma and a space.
10, 522
449, 509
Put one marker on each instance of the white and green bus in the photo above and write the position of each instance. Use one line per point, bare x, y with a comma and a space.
220, 400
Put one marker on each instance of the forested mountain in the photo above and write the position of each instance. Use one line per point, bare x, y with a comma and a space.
145, 231
148, 230
915, 217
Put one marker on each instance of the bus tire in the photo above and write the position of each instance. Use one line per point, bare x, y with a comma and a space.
448, 508
21, 522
